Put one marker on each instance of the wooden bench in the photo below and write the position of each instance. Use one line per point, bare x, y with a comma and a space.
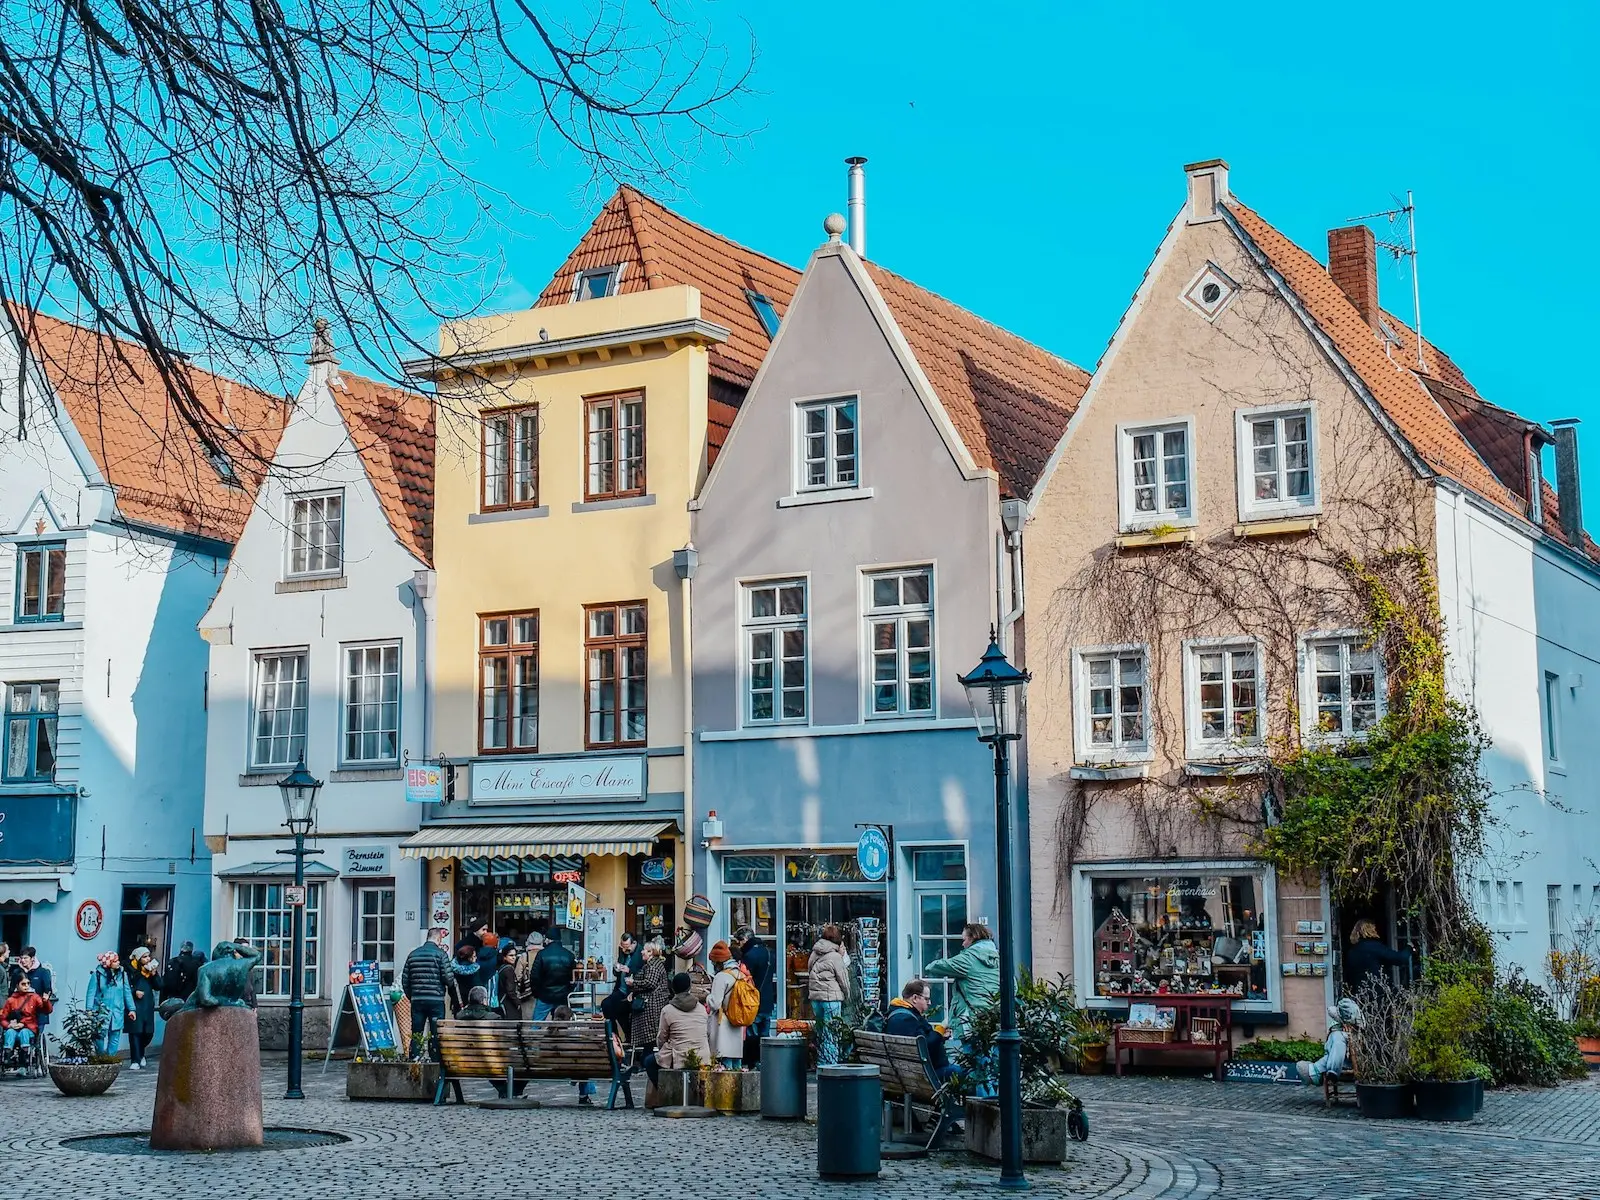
522, 1050
1187, 1010
906, 1071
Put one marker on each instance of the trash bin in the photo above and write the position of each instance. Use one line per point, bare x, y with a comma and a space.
849, 1108
783, 1078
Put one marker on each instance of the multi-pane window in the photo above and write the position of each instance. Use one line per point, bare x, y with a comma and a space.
511, 459
375, 929
372, 704
508, 678
616, 653
1344, 685
30, 729
316, 534
900, 642
279, 725
1114, 701
615, 429
1227, 694
263, 917
41, 582
1156, 475
775, 651
596, 284
1276, 464
828, 444
939, 882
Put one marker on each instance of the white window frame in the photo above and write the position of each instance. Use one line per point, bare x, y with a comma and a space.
291, 503
900, 614
776, 625
1200, 749
1128, 517
1550, 731
279, 965
1118, 751
612, 274
1306, 660
303, 653
831, 482
386, 966
345, 651
909, 903
1251, 509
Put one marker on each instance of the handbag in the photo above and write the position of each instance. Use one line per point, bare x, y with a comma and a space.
637, 1002
698, 913
688, 947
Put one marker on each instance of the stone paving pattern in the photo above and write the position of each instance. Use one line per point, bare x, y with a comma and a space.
1151, 1137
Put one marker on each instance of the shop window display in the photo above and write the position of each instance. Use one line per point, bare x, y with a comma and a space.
1180, 935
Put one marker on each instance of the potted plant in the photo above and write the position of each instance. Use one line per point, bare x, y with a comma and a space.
1572, 970
678, 1088
79, 1068
385, 1075
1447, 1079
1090, 1045
734, 1090
1586, 1020
1382, 1050
1050, 1023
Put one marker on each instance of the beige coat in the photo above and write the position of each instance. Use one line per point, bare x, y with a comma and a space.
682, 1029
828, 975
727, 1039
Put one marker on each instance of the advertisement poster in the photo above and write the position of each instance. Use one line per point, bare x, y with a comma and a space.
441, 916
575, 906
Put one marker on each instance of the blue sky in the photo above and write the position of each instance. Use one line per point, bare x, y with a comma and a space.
1026, 164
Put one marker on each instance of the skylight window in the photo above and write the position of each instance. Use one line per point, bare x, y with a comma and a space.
223, 466
597, 284
765, 312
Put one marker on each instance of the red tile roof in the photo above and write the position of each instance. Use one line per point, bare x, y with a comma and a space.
393, 431
160, 471
1009, 400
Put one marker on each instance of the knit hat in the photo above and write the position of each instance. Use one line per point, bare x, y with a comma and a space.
109, 960
720, 953
139, 954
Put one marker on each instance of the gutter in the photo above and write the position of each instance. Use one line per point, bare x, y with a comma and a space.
690, 329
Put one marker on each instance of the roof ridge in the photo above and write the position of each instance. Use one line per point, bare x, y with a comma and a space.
633, 209
721, 237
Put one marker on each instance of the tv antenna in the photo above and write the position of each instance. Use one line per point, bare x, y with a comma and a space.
1407, 250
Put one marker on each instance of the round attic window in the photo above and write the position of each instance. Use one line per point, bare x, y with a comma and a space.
1211, 293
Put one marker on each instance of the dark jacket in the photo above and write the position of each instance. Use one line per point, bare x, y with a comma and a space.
507, 981
426, 975
477, 1012
905, 1021
488, 962
182, 972
14, 972
552, 974
1369, 958
652, 983
144, 988
634, 962
757, 959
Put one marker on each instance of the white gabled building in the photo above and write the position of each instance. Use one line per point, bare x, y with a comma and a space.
320, 636
115, 530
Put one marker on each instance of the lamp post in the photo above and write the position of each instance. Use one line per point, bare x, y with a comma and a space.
995, 690
299, 790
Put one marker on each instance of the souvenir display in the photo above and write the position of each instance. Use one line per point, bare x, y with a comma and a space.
1179, 936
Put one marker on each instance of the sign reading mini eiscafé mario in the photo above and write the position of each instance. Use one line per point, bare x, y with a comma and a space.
555, 780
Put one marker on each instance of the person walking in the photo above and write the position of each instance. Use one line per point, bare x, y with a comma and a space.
827, 986
463, 975
111, 997
506, 982
177, 982
683, 1031
1369, 957
648, 995
552, 979
725, 1034
144, 981
425, 980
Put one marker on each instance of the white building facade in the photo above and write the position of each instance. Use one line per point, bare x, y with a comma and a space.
319, 641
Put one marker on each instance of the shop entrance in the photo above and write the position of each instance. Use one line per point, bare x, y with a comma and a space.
146, 916
860, 917
518, 897
14, 925
650, 902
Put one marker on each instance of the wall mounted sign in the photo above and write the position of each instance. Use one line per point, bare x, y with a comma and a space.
366, 860
424, 784
574, 906
441, 915
557, 780
294, 895
89, 919
656, 870
872, 854
566, 876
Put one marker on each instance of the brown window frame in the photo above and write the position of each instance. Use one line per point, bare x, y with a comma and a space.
613, 401
618, 642
510, 415
509, 653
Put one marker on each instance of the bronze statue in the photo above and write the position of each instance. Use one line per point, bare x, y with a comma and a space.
224, 982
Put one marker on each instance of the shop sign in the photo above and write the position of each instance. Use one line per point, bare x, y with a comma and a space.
872, 854
656, 870
557, 780
574, 906
294, 895
89, 919
424, 784
364, 971
441, 912
366, 860
566, 876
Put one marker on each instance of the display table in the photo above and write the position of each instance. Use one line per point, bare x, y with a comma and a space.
1211, 1035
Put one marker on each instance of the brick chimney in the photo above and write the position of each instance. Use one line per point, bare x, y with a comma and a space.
1353, 263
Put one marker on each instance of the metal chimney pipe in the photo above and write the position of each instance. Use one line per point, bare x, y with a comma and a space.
857, 204
1569, 495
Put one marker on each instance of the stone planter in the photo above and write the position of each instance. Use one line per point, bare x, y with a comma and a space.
1590, 1049
732, 1091
675, 1089
84, 1079
1044, 1132
405, 1081
1447, 1100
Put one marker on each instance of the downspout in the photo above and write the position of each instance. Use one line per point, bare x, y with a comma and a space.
685, 562
1013, 513
422, 589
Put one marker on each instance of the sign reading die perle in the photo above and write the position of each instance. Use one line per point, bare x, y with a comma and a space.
558, 780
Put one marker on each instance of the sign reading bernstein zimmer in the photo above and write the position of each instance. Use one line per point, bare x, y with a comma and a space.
556, 780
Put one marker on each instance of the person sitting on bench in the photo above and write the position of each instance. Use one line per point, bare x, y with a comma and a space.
908, 1017
1344, 1020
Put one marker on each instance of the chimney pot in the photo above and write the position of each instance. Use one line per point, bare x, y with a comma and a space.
1569, 496
1208, 189
857, 204
1353, 263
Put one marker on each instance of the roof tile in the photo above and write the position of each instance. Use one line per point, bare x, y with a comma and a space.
393, 431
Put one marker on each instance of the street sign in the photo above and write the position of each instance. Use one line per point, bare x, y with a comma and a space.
872, 854
294, 895
89, 919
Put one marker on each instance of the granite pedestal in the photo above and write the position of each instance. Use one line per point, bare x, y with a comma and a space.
208, 1094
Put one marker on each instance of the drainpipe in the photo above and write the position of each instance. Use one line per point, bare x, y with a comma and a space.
685, 563
422, 587
1013, 513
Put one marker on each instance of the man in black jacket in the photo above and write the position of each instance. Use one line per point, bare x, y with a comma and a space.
757, 959
425, 980
552, 978
182, 972
908, 1017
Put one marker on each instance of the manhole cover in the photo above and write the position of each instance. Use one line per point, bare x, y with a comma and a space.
139, 1143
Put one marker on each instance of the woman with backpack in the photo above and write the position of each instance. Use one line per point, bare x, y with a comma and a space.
730, 1005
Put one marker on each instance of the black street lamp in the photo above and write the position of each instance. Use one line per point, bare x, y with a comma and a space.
299, 790
995, 690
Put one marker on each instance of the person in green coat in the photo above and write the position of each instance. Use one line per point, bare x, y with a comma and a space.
974, 973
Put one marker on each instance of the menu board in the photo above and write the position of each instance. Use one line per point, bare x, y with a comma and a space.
871, 960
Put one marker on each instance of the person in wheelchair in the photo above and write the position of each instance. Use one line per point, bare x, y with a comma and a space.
19, 1018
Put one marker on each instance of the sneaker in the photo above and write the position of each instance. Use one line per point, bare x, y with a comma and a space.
134, 1067
586, 1101
1304, 1071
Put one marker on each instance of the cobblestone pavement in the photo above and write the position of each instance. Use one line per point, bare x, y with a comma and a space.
1151, 1138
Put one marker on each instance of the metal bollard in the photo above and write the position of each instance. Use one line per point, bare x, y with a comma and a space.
849, 1099
783, 1078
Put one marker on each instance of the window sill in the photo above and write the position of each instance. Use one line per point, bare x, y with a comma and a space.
358, 774
1139, 538
507, 514
621, 502
824, 496
328, 584
40, 626
36, 787
1225, 768
1276, 526
899, 725
264, 778
1108, 772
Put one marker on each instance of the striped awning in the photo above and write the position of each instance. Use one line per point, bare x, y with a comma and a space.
503, 841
